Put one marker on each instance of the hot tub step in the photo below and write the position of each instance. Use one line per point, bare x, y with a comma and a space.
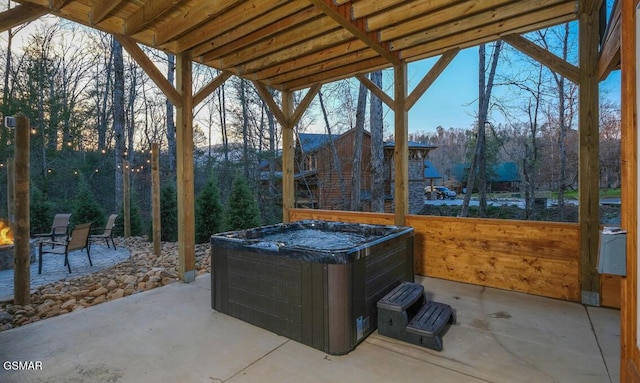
405, 314
403, 296
431, 319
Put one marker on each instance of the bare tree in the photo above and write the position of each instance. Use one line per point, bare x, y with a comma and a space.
356, 170
485, 87
377, 149
118, 117
337, 166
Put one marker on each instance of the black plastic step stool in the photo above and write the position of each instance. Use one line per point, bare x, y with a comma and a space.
405, 314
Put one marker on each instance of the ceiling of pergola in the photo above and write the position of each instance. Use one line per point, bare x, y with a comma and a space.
292, 44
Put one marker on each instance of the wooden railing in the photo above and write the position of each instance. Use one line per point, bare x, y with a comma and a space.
540, 258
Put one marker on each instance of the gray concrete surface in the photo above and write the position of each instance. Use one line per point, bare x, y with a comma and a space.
53, 268
171, 334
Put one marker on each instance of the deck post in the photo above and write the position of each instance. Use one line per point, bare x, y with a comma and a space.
126, 200
22, 272
589, 168
155, 196
401, 148
184, 164
288, 197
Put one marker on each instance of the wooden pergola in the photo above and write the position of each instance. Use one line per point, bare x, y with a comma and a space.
291, 45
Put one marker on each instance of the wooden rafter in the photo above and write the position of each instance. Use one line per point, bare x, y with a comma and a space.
102, 9
521, 24
430, 77
376, 90
148, 13
191, 18
210, 87
19, 15
610, 49
342, 15
150, 69
294, 38
543, 56
432, 28
231, 25
57, 4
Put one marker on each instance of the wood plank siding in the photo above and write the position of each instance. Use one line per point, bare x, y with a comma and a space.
540, 258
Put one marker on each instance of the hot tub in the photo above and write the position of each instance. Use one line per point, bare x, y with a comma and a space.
316, 282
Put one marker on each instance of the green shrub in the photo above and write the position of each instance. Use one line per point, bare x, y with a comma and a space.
86, 208
168, 214
242, 211
209, 212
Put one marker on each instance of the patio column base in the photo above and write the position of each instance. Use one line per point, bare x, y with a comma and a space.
188, 276
590, 298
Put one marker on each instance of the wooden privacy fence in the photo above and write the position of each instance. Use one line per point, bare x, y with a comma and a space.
540, 258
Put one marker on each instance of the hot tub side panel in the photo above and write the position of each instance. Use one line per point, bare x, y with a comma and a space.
280, 294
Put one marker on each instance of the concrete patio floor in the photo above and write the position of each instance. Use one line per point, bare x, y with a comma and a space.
171, 334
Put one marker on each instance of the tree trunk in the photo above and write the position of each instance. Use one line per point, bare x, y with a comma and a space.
485, 87
118, 117
356, 171
377, 148
334, 153
245, 129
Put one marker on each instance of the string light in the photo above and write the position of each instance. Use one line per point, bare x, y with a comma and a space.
33, 131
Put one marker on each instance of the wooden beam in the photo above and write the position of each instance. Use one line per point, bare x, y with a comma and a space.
302, 107
589, 167
184, 173
401, 147
375, 90
430, 77
610, 48
342, 15
192, 17
19, 15
436, 39
148, 13
288, 153
22, 247
543, 56
275, 109
155, 197
210, 87
102, 9
229, 29
307, 37
325, 75
57, 4
150, 69
629, 352
126, 200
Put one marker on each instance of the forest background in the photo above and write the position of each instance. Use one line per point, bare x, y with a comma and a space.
91, 108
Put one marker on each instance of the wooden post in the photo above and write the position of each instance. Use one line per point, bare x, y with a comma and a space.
630, 147
11, 191
22, 273
126, 202
155, 196
184, 164
401, 148
288, 183
589, 168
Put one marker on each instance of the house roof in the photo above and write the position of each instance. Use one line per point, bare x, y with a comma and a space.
293, 44
310, 142
410, 144
430, 171
500, 172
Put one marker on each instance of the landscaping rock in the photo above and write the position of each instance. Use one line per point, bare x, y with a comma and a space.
143, 271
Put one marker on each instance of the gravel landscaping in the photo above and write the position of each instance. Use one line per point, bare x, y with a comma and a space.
141, 272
